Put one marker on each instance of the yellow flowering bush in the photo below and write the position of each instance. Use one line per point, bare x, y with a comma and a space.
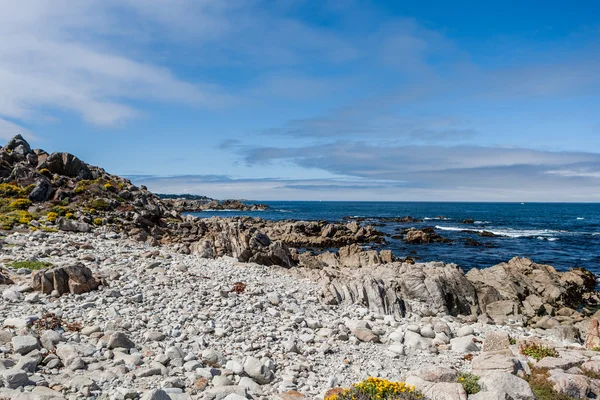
98, 221
51, 217
378, 389
10, 190
20, 204
69, 215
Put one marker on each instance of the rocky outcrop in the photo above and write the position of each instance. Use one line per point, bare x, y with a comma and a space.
423, 236
193, 205
67, 165
236, 239
522, 287
400, 289
74, 279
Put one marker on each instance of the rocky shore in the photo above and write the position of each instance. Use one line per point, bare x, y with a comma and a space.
109, 292
190, 205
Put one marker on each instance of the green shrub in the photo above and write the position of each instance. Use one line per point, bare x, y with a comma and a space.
99, 204
538, 351
32, 265
61, 210
98, 221
378, 389
469, 381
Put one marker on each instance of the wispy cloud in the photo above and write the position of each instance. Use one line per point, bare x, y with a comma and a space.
63, 56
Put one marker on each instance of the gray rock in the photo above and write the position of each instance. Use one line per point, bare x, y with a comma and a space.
503, 382
219, 393
496, 341
156, 394
258, 371
464, 344
13, 378
120, 340
24, 344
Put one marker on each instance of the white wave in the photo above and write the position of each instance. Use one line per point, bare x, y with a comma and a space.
513, 233
553, 239
580, 218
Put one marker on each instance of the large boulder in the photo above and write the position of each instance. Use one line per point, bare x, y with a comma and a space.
42, 191
18, 145
70, 225
75, 279
67, 164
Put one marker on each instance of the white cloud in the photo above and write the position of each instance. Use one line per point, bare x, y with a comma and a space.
73, 56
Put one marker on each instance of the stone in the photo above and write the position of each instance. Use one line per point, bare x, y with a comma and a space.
576, 386
512, 386
592, 338
156, 394
496, 341
437, 374
74, 279
212, 358
466, 330
13, 378
500, 361
414, 340
464, 344
557, 362
219, 393
250, 385
258, 371
362, 331
120, 340
24, 344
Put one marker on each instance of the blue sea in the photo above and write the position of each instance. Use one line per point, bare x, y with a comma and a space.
562, 235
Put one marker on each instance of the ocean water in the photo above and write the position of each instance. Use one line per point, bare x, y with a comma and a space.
562, 235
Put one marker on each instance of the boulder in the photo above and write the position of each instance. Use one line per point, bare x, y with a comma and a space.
512, 386
70, 225
42, 191
74, 279
67, 165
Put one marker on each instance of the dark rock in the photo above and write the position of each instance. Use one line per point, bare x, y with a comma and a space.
67, 165
42, 191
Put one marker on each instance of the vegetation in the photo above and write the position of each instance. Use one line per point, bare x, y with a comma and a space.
20, 204
10, 190
31, 265
469, 381
9, 220
99, 204
51, 216
538, 351
98, 221
378, 389
542, 387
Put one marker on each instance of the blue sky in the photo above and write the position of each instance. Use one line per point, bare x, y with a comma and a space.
319, 100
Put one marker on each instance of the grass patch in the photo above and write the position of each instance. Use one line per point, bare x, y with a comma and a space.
542, 387
469, 381
378, 389
538, 351
31, 265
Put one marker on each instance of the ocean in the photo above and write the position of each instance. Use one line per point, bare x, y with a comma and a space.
559, 234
